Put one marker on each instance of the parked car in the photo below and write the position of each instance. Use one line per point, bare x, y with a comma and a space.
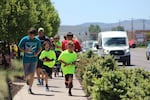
89, 45
132, 43
148, 51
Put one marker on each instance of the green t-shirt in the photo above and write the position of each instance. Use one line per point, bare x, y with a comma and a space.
58, 43
49, 54
68, 58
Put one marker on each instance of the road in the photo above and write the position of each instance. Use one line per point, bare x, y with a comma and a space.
138, 59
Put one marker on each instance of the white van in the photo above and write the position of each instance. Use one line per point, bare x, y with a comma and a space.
114, 43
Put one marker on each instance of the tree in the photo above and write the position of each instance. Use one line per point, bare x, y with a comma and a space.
48, 17
17, 16
118, 28
94, 30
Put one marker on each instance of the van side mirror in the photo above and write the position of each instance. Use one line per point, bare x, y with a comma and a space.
98, 47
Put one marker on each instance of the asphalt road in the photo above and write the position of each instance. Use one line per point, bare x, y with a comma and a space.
138, 59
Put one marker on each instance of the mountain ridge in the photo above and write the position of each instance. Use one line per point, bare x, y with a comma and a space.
135, 24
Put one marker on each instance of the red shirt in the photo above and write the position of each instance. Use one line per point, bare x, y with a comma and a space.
76, 43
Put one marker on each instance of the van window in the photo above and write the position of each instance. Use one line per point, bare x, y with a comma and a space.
116, 41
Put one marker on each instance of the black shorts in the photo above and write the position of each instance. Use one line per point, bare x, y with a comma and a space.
67, 76
47, 70
57, 54
40, 64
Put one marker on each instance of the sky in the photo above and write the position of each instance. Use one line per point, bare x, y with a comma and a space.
75, 12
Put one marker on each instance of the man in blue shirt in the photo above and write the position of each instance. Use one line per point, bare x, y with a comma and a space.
31, 47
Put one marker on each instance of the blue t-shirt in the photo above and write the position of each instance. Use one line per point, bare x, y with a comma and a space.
30, 44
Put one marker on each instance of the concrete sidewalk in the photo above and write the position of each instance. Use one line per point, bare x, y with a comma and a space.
57, 91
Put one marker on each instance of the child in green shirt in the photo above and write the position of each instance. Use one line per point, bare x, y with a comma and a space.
48, 57
67, 59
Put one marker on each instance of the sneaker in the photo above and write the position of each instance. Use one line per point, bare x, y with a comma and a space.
47, 88
69, 93
30, 91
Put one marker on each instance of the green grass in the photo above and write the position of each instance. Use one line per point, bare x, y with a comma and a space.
3, 85
16, 70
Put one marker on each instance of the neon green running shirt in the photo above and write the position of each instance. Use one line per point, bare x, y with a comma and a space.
68, 58
59, 44
49, 54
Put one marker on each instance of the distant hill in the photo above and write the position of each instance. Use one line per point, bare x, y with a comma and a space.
138, 24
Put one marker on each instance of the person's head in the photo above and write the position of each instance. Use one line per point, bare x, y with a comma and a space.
65, 37
31, 33
41, 32
51, 39
70, 46
56, 38
69, 36
46, 45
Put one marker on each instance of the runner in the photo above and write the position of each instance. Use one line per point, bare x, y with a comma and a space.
48, 57
39, 71
31, 47
69, 37
68, 59
58, 51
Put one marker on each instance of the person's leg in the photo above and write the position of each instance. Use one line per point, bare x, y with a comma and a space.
46, 82
26, 67
70, 84
39, 72
66, 80
47, 75
31, 79
32, 69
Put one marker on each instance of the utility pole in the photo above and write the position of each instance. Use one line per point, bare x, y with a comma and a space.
143, 24
119, 23
132, 28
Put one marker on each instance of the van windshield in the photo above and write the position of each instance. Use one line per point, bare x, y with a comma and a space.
115, 41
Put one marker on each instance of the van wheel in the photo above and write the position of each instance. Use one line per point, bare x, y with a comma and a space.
128, 61
124, 63
147, 58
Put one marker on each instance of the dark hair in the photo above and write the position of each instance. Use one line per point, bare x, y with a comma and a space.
32, 31
70, 34
65, 37
46, 42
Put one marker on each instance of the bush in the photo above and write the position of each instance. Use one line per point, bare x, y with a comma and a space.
15, 71
110, 86
104, 80
3, 85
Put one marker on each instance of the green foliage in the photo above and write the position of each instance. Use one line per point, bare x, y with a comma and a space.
3, 85
118, 28
104, 80
110, 86
17, 16
94, 29
15, 71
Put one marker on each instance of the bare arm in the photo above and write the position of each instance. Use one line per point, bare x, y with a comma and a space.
38, 52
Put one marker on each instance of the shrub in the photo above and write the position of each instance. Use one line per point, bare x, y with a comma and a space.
15, 71
110, 86
3, 85
104, 80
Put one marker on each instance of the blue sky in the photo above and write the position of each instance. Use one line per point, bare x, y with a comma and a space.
74, 12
